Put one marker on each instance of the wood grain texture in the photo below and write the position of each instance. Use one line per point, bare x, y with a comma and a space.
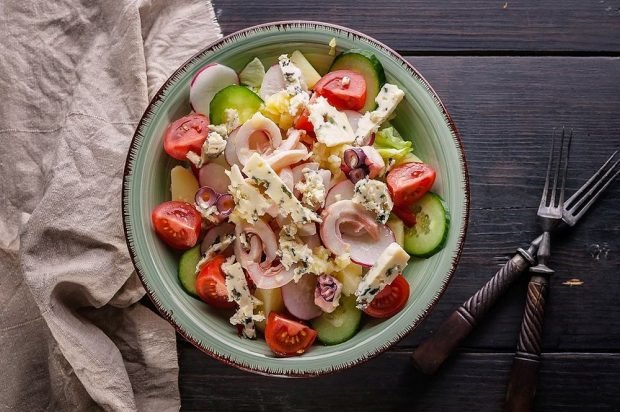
471, 382
505, 108
451, 26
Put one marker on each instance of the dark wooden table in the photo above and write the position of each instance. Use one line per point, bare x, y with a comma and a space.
508, 72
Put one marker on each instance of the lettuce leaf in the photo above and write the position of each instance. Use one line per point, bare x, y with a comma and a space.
391, 145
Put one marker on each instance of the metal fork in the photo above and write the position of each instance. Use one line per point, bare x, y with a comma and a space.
432, 352
524, 375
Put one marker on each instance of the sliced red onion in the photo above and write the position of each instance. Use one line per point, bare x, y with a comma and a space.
341, 191
206, 197
225, 204
355, 175
215, 235
354, 157
349, 228
230, 153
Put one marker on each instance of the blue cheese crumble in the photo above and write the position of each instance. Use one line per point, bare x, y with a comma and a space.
250, 204
390, 264
331, 126
312, 189
238, 291
388, 98
218, 246
295, 85
213, 146
262, 174
375, 197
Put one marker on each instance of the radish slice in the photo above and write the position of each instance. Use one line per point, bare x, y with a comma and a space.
349, 228
230, 153
353, 117
273, 82
341, 191
214, 176
299, 298
215, 234
207, 82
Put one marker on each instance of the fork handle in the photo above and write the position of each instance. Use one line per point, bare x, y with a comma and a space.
524, 375
431, 353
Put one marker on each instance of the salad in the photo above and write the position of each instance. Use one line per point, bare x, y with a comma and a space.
297, 203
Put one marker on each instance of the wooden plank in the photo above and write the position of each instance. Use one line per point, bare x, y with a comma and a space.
451, 26
568, 382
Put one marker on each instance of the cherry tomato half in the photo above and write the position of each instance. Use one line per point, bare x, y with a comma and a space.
343, 95
177, 224
286, 337
303, 122
390, 300
408, 182
185, 134
211, 284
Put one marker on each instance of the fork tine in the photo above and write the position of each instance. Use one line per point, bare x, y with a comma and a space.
595, 191
570, 138
557, 171
543, 200
579, 197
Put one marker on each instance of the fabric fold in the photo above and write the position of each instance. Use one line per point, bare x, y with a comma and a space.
76, 78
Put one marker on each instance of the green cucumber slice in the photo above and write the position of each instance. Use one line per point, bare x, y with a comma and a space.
341, 324
430, 232
240, 98
187, 270
366, 64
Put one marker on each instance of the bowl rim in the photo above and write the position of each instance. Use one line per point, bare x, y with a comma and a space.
159, 95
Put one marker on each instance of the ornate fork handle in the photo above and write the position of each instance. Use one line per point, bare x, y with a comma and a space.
434, 351
524, 376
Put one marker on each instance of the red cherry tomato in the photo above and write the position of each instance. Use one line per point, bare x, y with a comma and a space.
211, 284
303, 122
286, 337
185, 134
390, 300
343, 96
177, 224
407, 183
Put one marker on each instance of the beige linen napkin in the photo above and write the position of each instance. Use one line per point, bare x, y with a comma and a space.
75, 77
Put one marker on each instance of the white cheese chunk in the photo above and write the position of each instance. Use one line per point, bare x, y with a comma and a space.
219, 246
258, 171
388, 98
331, 126
238, 291
250, 204
312, 189
232, 119
389, 265
293, 79
213, 146
375, 197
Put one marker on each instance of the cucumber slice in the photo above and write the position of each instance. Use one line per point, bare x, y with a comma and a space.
430, 232
341, 324
187, 270
240, 98
366, 64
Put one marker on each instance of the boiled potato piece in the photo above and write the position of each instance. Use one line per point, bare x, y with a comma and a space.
183, 184
310, 75
350, 277
272, 302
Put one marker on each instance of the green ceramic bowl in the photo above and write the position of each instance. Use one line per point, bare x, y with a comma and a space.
421, 117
